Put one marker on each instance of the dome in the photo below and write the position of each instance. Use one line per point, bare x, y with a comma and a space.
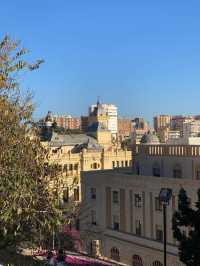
150, 138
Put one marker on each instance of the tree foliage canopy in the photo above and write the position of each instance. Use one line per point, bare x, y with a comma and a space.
186, 229
27, 204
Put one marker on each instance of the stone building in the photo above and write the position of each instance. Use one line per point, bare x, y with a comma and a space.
122, 211
81, 152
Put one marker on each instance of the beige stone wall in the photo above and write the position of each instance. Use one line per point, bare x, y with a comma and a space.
126, 239
104, 138
127, 249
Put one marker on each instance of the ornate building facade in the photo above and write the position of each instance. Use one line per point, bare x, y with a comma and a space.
80, 152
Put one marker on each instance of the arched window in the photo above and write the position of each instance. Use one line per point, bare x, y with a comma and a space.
137, 261
157, 263
115, 254
95, 165
177, 171
156, 169
66, 195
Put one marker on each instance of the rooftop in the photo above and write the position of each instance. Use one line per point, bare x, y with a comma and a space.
71, 139
126, 178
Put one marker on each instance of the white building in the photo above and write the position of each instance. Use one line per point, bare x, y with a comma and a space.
190, 134
111, 111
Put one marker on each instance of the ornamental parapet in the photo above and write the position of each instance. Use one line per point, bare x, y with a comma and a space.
167, 150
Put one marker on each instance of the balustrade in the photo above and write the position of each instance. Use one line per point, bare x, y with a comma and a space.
167, 150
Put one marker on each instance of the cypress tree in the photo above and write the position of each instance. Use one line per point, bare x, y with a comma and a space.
186, 229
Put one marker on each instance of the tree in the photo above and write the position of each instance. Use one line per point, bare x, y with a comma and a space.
186, 229
28, 204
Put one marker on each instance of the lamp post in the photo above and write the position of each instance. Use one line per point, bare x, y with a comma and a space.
53, 243
165, 196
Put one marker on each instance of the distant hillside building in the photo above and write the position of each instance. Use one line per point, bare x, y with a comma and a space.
84, 123
124, 128
166, 134
178, 121
139, 128
67, 121
161, 121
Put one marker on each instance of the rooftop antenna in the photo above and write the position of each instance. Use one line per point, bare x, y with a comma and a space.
98, 100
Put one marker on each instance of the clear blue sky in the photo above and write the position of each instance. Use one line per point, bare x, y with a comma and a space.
142, 55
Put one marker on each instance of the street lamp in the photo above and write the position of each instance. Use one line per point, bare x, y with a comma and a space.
165, 196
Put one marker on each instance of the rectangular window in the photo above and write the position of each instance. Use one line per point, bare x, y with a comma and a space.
156, 171
93, 193
177, 173
159, 233
122, 163
93, 217
126, 163
65, 168
60, 167
115, 197
117, 163
113, 164
116, 222
76, 166
76, 194
198, 174
138, 201
158, 204
138, 228
66, 195
70, 167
